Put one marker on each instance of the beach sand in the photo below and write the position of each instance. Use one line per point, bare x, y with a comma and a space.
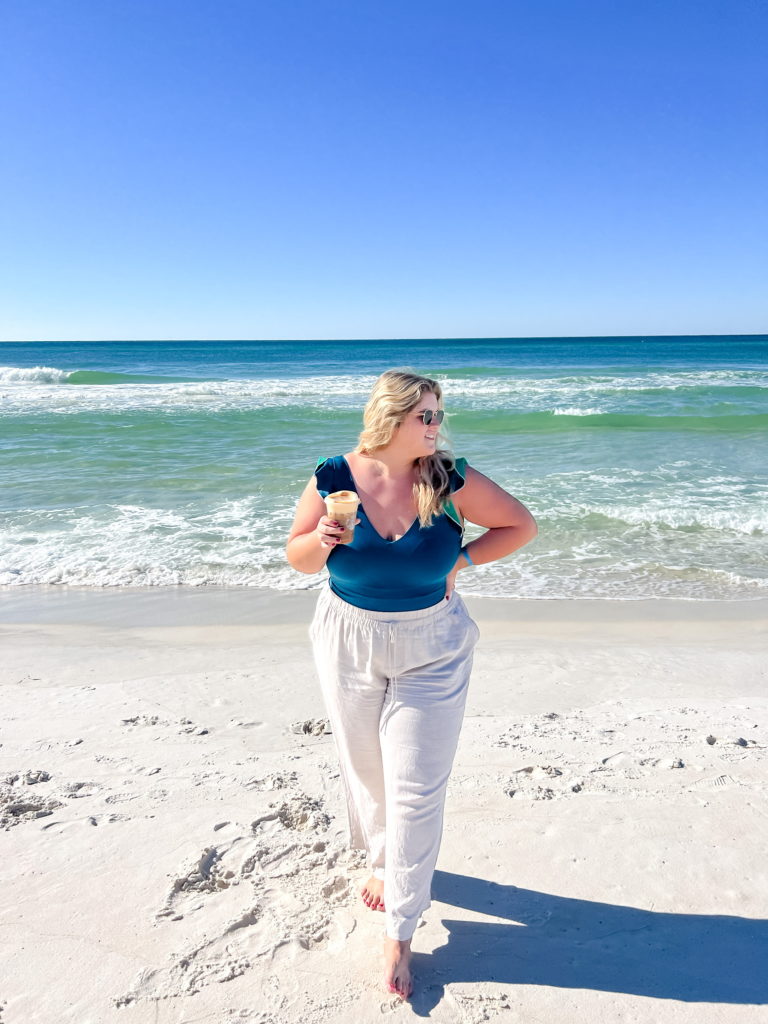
174, 835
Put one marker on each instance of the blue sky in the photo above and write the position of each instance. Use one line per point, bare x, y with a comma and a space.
314, 169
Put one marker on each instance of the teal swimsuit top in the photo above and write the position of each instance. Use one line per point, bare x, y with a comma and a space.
392, 575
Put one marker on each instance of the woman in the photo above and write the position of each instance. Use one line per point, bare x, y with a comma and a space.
393, 641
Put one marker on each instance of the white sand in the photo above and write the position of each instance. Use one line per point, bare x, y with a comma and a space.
174, 843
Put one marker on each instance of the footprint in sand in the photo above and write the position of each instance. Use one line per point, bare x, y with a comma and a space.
661, 762
312, 727
120, 798
718, 782
526, 783
208, 874
277, 780
188, 726
143, 720
56, 827
79, 790
336, 889
301, 814
211, 963
17, 808
282, 886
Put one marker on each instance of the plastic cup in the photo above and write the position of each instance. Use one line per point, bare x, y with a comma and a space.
342, 506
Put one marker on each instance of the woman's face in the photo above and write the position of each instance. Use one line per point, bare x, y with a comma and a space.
418, 437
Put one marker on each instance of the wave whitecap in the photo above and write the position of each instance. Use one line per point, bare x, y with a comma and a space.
577, 412
32, 375
42, 375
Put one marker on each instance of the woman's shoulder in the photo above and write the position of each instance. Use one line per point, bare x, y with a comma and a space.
331, 474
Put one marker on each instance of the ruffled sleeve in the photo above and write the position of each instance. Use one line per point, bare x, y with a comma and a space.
458, 476
329, 474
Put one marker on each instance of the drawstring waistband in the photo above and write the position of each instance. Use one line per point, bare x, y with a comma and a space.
352, 612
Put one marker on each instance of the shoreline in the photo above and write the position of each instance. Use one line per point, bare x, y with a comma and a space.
139, 607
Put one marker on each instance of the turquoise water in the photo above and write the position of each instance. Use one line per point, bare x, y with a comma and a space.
643, 460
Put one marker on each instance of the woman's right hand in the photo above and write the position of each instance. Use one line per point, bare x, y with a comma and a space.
329, 531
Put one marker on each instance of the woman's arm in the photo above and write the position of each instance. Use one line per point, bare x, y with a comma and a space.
509, 523
313, 535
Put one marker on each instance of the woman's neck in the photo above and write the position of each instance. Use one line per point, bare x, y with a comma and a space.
390, 462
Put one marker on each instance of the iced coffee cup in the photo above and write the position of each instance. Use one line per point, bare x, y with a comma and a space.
342, 506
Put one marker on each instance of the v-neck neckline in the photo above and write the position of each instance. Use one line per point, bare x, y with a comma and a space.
384, 540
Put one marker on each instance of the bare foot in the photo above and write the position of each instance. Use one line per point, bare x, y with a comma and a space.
397, 963
373, 893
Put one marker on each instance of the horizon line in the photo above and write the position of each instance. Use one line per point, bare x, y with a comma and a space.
489, 337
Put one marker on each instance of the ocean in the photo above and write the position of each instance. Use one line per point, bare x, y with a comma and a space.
139, 464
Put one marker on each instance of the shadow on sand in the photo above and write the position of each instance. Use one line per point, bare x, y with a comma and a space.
572, 943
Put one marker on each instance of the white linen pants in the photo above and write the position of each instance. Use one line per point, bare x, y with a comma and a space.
395, 686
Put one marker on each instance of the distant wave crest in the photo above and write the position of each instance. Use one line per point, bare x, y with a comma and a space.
46, 375
32, 375
717, 400
577, 412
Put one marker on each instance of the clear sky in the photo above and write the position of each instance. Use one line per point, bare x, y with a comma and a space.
398, 168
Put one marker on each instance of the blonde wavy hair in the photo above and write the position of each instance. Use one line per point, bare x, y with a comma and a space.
395, 394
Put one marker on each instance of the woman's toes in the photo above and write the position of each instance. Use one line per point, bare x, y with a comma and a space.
373, 893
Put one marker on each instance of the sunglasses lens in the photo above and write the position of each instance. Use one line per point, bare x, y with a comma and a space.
430, 416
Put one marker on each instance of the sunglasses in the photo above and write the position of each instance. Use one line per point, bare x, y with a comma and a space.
428, 417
